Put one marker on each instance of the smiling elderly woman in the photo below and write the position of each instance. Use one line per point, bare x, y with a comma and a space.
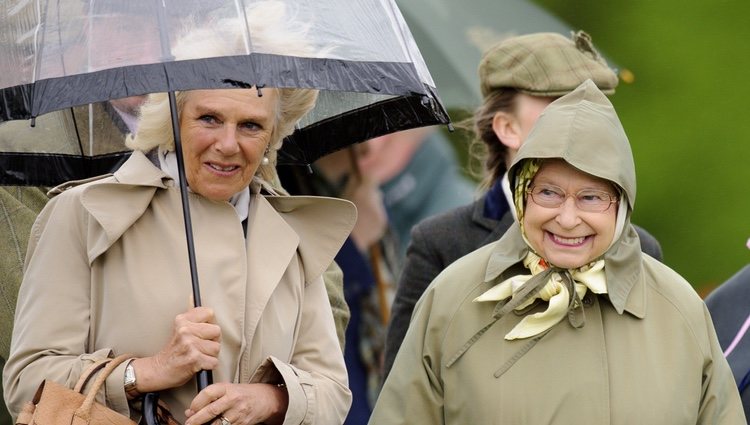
563, 320
107, 273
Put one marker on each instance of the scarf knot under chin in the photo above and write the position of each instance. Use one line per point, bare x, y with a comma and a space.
562, 289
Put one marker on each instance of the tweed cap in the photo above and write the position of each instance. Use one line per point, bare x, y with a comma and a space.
545, 64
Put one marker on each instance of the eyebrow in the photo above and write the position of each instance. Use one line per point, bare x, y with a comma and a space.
260, 117
604, 187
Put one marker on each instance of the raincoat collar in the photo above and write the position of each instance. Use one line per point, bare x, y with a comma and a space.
143, 172
130, 190
625, 278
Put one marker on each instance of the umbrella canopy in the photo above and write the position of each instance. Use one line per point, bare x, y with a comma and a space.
68, 53
453, 35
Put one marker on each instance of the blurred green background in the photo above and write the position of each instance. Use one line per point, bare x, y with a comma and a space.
685, 115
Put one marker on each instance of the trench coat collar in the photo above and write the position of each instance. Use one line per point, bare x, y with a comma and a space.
130, 190
117, 201
626, 286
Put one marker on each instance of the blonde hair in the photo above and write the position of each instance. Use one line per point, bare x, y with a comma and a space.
272, 31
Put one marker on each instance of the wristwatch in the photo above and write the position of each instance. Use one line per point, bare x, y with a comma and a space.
130, 382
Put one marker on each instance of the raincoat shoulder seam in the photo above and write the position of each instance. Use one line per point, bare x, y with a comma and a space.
685, 320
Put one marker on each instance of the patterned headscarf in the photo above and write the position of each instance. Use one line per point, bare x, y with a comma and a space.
526, 174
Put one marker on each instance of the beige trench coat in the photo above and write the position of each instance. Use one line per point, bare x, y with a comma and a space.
647, 352
107, 273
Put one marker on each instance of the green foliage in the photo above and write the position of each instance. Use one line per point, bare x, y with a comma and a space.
685, 115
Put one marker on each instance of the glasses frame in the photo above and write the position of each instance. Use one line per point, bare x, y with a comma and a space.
615, 199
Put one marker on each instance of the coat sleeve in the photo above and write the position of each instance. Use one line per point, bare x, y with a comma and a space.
720, 401
315, 378
51, 326
20, 207
413, 392
421, 266
334, 282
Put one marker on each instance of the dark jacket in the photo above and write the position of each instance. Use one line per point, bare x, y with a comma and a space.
438, 241
730, 309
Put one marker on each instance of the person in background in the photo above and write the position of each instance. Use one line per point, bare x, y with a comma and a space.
730, 312
19, 207
564, 319
519, 77
338, 175
419, 175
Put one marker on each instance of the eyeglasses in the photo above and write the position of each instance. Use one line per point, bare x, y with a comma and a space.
589, 200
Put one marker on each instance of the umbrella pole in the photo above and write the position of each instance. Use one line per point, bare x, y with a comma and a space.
204, 377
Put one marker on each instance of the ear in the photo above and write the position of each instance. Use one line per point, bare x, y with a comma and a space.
507, 129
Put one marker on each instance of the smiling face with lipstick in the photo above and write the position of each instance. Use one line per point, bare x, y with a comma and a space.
225, 135
569, 218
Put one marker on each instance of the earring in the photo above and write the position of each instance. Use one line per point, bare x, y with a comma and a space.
265, 160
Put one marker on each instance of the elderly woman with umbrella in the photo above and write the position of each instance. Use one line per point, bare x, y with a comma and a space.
107, 272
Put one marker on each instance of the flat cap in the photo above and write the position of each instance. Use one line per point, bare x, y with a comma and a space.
545, 64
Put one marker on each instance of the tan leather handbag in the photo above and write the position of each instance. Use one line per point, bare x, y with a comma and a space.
55, 404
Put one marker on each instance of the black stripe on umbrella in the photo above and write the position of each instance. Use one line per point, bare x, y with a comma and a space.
47, 95
303, 147
39, 169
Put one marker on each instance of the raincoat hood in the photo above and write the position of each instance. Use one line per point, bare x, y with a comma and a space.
583, 129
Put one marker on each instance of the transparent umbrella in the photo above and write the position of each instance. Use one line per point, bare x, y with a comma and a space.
68, 53
64, 62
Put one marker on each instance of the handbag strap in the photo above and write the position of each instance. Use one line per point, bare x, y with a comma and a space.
89, 372
84, 411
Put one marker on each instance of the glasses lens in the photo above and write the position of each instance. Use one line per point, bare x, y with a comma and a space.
588, 200
593, 200
548, 196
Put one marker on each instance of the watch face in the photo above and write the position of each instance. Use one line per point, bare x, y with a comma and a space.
129, 376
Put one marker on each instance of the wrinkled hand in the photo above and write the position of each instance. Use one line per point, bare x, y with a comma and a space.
240, 404
194, 346
372, 219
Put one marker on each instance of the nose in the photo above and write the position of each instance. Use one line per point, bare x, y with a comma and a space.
226, 141
567, 214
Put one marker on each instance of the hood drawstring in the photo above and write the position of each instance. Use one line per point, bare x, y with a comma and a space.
563, 290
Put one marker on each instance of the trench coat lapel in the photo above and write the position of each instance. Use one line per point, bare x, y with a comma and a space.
271, 243
116, 204
282, 227
305, 214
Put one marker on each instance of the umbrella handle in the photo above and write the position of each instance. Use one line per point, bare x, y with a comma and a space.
204, 379
155, 412
150, 405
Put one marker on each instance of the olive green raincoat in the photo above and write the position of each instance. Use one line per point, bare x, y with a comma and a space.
646, 354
